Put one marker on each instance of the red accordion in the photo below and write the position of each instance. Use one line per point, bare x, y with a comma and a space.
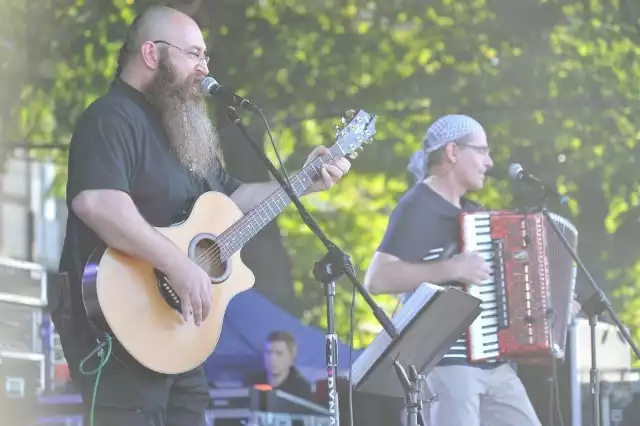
527, 300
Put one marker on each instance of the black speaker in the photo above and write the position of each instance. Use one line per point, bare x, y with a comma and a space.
550, 398
549, 390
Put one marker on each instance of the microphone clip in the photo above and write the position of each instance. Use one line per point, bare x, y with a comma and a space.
517, 173
210, 87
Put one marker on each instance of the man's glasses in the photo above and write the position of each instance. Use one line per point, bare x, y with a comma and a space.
481, 149
199, 57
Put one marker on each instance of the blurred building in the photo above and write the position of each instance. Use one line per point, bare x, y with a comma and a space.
32, 220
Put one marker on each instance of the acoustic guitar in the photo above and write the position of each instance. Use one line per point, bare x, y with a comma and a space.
135, 303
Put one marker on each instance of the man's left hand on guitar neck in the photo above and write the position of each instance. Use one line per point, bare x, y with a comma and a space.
331, 173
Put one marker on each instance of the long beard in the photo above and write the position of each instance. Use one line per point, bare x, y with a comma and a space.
185, 118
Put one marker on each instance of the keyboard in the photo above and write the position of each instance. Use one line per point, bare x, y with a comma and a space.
482, 336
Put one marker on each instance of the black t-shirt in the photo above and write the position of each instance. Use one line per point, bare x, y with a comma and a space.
295, 384
420, 228
120, 143
422, 225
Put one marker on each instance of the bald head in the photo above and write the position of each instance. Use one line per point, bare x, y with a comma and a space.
158, 23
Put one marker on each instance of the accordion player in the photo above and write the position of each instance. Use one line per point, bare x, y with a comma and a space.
527, 301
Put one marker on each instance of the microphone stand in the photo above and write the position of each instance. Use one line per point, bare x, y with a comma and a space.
595, 306
327, 270
412, 387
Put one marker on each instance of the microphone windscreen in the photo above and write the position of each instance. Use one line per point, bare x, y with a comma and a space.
515, 171
207, 83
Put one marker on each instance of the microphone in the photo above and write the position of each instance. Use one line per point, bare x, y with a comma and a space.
211, 87
517, 173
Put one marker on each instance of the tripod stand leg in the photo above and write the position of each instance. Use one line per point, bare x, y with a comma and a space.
594, 378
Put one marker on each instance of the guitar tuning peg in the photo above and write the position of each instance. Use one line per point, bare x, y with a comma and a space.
368, 141
353, 155
343, 120
337, 128
350, 114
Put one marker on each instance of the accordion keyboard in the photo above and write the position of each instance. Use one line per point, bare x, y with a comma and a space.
483, 333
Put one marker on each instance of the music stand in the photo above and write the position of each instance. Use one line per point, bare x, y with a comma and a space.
429, 323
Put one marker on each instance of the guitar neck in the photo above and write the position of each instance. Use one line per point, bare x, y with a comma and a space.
234, 238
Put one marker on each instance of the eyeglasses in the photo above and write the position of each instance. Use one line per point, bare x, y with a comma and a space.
481, 149
199, 57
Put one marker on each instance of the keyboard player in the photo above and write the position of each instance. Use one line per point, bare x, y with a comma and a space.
280, 372
453, 161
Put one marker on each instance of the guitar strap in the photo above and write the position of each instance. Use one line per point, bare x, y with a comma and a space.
59, 295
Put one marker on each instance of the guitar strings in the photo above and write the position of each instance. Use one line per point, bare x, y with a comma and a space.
215, 251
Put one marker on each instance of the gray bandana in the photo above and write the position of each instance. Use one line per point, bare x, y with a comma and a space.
444, 130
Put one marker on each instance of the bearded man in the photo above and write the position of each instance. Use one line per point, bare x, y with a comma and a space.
138, 157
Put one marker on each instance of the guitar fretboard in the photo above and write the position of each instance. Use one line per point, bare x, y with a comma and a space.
234, 238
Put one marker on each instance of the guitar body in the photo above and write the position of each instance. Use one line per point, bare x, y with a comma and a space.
131, 300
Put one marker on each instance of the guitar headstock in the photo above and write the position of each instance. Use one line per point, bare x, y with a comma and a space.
357, 129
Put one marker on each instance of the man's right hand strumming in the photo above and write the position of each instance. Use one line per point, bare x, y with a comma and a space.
115, 218
469, 268
193, 285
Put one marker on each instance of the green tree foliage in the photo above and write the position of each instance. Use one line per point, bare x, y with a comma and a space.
13, 59
553, 82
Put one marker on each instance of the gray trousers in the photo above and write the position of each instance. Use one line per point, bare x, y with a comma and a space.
471, 396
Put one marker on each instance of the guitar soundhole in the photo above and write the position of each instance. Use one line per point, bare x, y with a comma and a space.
203, 250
